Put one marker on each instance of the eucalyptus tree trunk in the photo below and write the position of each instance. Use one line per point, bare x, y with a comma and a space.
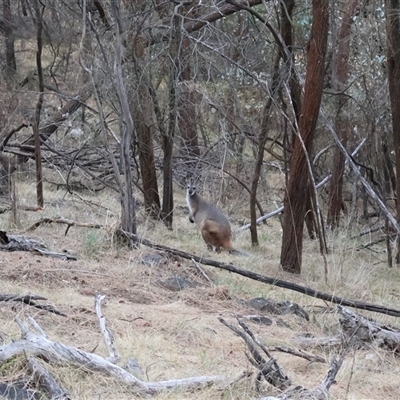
38, 156
340, 75
393, 57
297, 191
141, 105
128, 211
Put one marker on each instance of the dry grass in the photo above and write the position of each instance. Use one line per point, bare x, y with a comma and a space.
177, 334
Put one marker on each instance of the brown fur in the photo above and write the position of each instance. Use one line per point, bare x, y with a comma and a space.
214, 226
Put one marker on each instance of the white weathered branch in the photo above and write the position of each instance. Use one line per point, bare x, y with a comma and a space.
107, 334
56, 352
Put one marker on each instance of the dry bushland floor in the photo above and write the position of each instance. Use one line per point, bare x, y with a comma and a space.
176, 334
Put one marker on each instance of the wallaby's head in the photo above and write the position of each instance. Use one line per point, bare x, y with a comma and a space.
191, 188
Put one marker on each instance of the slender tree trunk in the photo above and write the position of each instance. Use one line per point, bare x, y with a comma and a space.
187, 113
39, 104
11, 64
141, 105
340, 75
128, 210
262, 141
298, 186
175, 52
287, 35
393, 56
287, 7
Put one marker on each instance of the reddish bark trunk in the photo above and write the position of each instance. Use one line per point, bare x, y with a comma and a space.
393, 57
297, 190
340, 76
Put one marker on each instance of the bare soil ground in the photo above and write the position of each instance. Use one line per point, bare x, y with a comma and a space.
176, 334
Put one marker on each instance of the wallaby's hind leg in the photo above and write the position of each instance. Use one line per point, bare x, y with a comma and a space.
215, 236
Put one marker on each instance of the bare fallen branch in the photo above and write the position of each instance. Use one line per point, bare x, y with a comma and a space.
24, 298
46, 380
107, 334
325, 342
56, 352
22, 243
29, 300
269, 370
264, 279
68, 222
274, 374
297, 353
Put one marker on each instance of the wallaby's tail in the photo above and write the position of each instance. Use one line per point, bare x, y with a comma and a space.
239, 253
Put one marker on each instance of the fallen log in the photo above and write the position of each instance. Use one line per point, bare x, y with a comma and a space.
37, 344
22, 243
264, 279
361, 330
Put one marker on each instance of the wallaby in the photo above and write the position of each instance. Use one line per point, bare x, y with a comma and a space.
214, 226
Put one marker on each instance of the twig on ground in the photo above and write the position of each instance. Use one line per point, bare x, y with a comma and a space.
297, 353
203, 272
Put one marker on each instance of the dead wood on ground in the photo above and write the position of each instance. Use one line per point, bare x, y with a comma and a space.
23, 243
265, 279
46, 380
248, 274
29, 299
67, 222
274, 374
36, 344
361, 330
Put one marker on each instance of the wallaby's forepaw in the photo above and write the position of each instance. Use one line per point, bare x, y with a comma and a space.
191, 220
